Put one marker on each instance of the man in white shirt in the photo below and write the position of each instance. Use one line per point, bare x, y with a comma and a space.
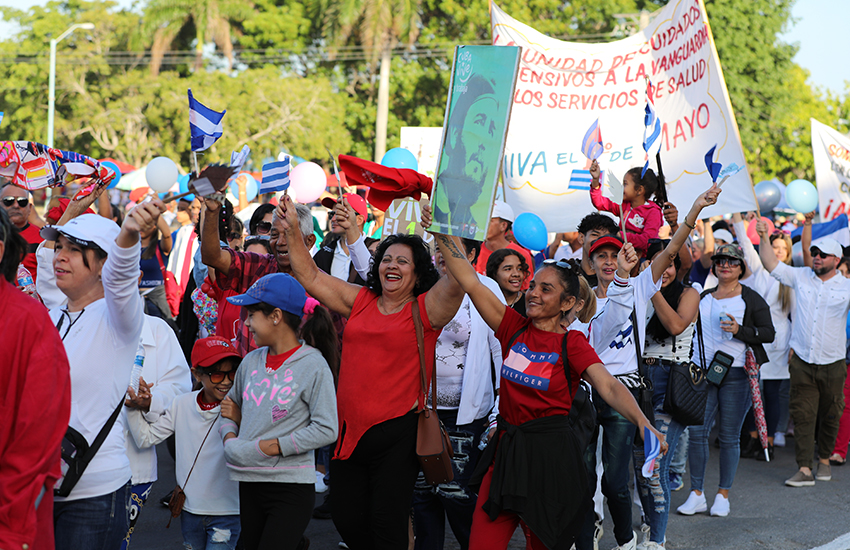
818, 344
334, 256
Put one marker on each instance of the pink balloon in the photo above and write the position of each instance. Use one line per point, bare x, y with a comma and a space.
308, 180
751, 230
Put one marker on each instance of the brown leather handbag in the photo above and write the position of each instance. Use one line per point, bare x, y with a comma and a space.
433, 447
178, 497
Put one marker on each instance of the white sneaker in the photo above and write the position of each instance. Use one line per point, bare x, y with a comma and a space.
597, 534
694, 505
720, 507
631, 545
320, 483
645, 532
779, 439
649, 545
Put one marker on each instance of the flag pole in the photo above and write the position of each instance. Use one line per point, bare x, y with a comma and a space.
195, 158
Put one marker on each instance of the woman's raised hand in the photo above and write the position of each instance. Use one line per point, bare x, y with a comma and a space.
761, 228
144, 216
627, 259
426, 216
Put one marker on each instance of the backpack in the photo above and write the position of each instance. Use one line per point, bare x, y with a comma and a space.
582, 417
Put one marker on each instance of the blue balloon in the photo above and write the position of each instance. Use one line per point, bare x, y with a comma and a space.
530, 231
802, 196
400, 158
114, 168
251, 188
183, 184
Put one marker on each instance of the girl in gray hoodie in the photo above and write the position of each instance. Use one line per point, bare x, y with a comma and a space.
282, 407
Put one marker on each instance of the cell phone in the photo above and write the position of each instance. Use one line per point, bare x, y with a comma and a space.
719, 367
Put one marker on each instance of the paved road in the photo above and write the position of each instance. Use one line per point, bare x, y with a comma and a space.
764, 513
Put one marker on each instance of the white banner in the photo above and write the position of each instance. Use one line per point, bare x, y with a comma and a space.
831, 151
564, 86
424, 143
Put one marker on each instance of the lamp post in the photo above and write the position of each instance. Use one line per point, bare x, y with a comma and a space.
52, 93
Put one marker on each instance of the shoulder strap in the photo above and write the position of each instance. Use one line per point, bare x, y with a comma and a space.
515, 336
102, 434
700, 342
420, 341
199, 449
638, 353
159, 259
565, 360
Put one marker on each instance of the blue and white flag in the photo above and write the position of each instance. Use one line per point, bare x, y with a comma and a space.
275, 176
204, 123
651, 450
651, 131
714, 168
580, 180
837, 229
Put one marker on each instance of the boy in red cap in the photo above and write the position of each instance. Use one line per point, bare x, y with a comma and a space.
211, 511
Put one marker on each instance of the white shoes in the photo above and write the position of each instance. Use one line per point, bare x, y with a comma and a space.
779, 439
649, 545
320, 482
694, 505
631, 545
720, 508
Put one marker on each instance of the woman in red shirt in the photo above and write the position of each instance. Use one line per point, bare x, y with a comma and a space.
375, 466
537, 472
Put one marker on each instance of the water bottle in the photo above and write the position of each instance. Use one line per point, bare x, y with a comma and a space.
138, 363
725, 317
25, 282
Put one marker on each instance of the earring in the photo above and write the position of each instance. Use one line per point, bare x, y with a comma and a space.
275, 322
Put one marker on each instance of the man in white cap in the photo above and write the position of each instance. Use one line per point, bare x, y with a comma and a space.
818, 345
500, 224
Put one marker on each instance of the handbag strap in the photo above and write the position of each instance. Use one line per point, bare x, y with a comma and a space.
159, 259
420, 341
700, 342
199, 450
102, 434
638, 353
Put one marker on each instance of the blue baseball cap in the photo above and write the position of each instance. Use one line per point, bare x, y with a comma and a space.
277, 289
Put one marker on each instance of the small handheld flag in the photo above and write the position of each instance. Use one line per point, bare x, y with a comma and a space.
651, 450
651, 131
580, 180
204, 124
714, 168
238, 159
591, 145
275, 176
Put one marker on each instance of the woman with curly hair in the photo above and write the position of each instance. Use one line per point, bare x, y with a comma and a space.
374, 467
508, 267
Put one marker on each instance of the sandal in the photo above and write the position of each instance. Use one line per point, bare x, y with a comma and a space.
837, 460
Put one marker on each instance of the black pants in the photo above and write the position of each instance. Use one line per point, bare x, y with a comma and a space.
274, 516
373, 488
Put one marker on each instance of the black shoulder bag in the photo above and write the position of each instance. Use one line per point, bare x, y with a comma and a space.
582, 417
687, 388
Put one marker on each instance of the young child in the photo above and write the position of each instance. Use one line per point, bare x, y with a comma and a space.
282, 408
210, 517
643, 217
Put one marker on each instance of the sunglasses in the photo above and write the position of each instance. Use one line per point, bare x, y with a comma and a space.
218, 377
264, 228
820, 254
563, 264
731, 262
233, 235
9, 201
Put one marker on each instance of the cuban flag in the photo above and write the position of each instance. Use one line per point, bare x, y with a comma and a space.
836, 228
275, 176
714, 168
591, 145
651, 130
204, 124
651, 450
580, 180
529, 368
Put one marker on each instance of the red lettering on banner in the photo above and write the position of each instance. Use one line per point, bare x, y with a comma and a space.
611, 77
838, 152
700, 116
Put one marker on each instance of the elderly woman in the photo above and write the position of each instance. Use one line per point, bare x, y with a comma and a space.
374, 467
88, 277
732, 318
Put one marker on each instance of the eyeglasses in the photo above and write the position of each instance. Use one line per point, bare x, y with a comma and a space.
264, 228
233, 235
563, 264
218, 377
731, 262
820, 254
9, 201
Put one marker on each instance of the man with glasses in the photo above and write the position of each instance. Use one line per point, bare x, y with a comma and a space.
16, 202
818, 344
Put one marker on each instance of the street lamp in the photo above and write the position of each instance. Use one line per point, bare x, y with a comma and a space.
52, 94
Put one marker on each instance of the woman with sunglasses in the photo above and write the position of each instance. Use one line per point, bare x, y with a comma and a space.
261, 220
732, 318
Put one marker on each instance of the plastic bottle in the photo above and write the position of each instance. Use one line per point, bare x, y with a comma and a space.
25, 282
724, 316
138, 363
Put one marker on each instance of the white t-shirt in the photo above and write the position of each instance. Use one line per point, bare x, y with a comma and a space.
710, 310
341, 263
451, 350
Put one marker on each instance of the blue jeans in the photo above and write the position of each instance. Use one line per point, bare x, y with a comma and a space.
96, 523
655, 491
731, 400
209, 532
680, 458
618, 435
455, 500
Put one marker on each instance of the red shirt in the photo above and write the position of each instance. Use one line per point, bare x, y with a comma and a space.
379, 376
245, 269
274, 362
31, 234
484, 255
35, 405
533, 383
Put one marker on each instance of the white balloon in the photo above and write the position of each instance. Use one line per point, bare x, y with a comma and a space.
161, 174
308, 180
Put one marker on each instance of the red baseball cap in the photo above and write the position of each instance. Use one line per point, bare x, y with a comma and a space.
208, 351
608, 240
357, 202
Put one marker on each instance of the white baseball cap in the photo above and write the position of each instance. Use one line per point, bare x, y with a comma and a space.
503, 210
724, 236
88, 230
828, 245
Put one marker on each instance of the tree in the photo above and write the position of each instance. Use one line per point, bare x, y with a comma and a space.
211, 20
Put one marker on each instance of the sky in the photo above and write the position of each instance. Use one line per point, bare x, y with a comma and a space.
820, 29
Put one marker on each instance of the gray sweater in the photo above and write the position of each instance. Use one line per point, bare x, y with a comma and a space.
296, 405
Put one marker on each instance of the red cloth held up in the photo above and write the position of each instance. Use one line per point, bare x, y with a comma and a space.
385, 184
56, 212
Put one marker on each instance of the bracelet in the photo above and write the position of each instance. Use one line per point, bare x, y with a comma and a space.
694, 226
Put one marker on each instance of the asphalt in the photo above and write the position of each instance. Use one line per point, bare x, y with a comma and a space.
765, 514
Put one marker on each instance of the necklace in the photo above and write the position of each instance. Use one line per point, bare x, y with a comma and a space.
396, 310
719, 296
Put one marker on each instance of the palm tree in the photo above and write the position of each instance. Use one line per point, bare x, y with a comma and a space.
211, 20
379, 26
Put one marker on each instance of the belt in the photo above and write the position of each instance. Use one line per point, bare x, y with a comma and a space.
651, 361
